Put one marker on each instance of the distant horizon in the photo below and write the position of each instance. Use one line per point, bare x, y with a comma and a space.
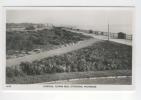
120, 20
64, 26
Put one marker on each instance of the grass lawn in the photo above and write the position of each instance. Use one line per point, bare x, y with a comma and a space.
64, 76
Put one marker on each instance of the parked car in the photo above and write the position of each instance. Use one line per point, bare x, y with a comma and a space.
37, 50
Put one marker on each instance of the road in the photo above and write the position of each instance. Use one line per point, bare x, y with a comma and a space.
45, 54
102, 37
92, 35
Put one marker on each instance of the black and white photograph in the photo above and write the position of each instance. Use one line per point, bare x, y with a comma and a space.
69, 45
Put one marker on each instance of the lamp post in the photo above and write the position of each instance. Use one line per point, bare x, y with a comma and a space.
108, 33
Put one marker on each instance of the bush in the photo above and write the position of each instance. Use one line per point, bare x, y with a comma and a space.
90, 31
98, 57
29, 40
57, 69
13, 72
31, 27
27, 68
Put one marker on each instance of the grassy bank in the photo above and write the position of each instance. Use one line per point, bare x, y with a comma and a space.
45, 39
101, 56
64, 76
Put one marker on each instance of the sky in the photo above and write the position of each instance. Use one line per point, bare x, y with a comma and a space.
119, 19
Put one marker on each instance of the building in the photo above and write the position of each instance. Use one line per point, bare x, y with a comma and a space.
128, 37
114, 35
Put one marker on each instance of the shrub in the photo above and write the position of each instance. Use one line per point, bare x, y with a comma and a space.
27, 68
100, 56
29, 40
31, 27
90, 31
57, 69
13, 72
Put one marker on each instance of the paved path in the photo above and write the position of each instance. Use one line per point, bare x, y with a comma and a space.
97, 80
45, 54
122, 41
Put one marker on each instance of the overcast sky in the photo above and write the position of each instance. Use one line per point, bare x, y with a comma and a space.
120, 20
